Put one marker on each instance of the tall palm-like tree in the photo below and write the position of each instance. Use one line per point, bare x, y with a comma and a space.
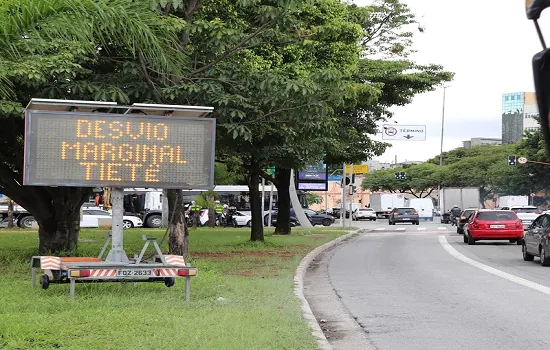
75, 49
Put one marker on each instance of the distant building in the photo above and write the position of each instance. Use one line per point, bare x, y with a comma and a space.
377, 165
407, 162
476, 141
519, 110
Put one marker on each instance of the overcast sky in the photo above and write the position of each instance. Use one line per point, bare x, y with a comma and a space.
488, 45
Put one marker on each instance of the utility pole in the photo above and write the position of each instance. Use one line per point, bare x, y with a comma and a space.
441, 149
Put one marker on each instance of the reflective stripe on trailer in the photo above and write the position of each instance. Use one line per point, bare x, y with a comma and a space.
167, 272
176, 260
50, 263
103, 273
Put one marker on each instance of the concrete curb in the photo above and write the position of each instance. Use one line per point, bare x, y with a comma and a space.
299, 288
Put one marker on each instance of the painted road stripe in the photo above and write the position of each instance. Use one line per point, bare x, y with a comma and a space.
442, 228
421, 229
401, 229
526, 283
380, 229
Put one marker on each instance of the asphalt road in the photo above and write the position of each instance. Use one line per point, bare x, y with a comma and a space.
428, 290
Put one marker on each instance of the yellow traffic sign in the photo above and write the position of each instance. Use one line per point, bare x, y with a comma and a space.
358, 169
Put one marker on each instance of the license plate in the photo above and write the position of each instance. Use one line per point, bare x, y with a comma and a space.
405, 219
134, 272
497, 226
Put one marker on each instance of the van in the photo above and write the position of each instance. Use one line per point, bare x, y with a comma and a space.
424, 207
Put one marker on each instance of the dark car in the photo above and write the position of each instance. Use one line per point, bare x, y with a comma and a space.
314, 218
536, 241
404, 215
337, 211
463, 219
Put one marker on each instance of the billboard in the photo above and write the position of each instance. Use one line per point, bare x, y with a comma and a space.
313, 177
118, 150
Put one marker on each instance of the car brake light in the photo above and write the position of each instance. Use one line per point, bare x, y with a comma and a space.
474, 224
519, 224
537, 212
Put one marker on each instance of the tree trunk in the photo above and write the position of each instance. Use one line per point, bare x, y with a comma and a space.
211, 211
10, 214
59, 233
283, 201
179, 233
257, 230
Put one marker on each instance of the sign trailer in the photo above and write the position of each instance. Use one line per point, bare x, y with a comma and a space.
83, 143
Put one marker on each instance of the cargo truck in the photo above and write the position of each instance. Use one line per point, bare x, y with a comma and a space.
383, 203
465, 197
510, 201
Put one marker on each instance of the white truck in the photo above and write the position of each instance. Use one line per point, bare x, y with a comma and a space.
383, 203
464, 197
21, 217
424, 207
511, 201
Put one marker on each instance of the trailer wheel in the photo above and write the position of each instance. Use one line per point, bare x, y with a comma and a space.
44, 282
154, 221
169, 281
26, 222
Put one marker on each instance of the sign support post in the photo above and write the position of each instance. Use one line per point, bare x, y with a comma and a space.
270, 206
117, 253
351, 195
343, 204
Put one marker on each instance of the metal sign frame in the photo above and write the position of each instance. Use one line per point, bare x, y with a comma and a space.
105, 183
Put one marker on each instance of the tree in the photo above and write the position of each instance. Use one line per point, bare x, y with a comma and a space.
420, 180
64, 49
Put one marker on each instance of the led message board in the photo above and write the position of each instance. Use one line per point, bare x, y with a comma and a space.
118, 150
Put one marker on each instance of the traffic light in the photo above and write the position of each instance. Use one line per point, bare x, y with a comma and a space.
512, 160
401, 176
346, 181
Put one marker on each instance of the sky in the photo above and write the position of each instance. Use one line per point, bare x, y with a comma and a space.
489, 46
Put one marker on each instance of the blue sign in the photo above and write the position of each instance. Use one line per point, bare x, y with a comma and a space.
335, 178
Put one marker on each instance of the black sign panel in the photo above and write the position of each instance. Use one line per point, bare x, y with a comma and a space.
313, 178
118, 150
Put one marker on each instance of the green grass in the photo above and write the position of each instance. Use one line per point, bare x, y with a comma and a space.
259, 309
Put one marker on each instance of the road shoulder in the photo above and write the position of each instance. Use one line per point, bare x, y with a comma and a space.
340, 329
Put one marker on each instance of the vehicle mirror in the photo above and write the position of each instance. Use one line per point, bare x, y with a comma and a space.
534, 8
541, 73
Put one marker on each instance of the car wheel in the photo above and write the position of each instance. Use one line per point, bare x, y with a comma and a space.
544, 260
127, 224
471, 241
154, 221
249, 223
526, 255
327, 222
374, 219
465, 237
417, 223
519, 241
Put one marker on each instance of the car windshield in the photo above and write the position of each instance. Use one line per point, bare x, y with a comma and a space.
406, 210
526, 210
365, 210
468, 213
496, 216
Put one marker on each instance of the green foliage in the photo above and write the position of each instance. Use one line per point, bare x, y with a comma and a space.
229, 173
313, 198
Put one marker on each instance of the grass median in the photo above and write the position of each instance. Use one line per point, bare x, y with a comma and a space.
242, 298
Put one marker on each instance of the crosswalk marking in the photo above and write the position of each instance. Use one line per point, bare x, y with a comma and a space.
421, 229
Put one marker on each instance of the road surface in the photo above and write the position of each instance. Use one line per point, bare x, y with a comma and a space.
428, 290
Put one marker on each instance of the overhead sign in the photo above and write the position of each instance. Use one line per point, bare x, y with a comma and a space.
118, 150
358, 169
404, 132
314, 177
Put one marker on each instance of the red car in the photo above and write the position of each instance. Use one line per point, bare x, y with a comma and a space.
493, 225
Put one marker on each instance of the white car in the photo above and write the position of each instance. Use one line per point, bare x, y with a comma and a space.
90, 218
364, 213
243, 218
526, 213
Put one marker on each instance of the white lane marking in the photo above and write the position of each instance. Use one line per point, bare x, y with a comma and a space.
421, 229
387, 234
401, 229
380, 229
442, 228
526, 283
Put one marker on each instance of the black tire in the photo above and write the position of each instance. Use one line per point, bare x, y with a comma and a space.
127, 224
458, 230
169, 281
544, 259
249, 223
465, 238
154, 221
417, 223
327, 222
374, 219
44, 282
471, 241
26, 222
526, 255
519, 241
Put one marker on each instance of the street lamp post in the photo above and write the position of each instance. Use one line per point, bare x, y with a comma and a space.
441, 149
